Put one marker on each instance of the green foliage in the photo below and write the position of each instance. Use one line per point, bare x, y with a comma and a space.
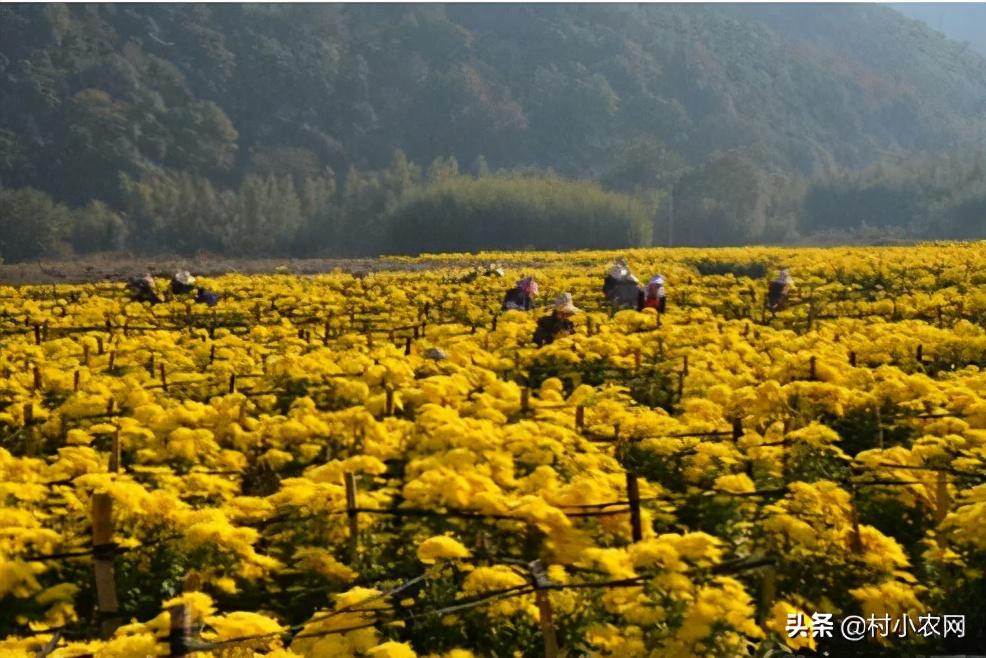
751, 118
512, 212
97, 227
31, 224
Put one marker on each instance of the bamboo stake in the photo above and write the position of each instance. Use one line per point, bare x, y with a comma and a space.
114, 465
352, 514
181, 630
545, 617
942, 500
102, 544
633, 495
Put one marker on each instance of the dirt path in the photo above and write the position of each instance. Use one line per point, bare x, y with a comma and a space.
105, 268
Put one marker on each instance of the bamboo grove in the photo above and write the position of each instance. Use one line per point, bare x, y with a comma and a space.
290, 474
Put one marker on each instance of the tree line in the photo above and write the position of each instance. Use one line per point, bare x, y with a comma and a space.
409, 208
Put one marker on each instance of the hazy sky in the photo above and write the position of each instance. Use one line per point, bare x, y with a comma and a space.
959, 21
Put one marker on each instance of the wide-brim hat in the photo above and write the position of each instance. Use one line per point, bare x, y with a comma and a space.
185, 278
563, 303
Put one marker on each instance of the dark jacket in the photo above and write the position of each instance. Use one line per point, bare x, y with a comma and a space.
142, 292
549, 327
777, 295
623, 294
206, 297
179, 288
516, 299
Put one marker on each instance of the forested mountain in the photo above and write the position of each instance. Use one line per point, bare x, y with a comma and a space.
964, 22
122, 103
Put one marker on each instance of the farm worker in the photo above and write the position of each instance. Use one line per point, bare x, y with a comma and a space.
558, 324
435, 354
655, 296
779, 290
621, 288
182, 282
142, 289
521, 297
206, 297
491, 270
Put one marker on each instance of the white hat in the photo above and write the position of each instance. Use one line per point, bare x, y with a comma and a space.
184, 277
563, 303
656, 280
619, 272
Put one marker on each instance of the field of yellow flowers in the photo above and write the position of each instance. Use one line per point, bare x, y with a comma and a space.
292, 474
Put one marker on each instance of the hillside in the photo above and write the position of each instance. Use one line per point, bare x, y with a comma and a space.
95, 95
964, 22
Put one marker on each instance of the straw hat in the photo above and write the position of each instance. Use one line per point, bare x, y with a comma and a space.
563, 303
185, 278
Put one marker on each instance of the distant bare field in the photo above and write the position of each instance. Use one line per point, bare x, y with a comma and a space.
118, 268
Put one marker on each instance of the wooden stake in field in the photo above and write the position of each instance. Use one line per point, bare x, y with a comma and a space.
768, 591
855, 539
103, 547
579, 418
181, 630
352, 514
545, 617
633, 497
115, 454
942, 499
